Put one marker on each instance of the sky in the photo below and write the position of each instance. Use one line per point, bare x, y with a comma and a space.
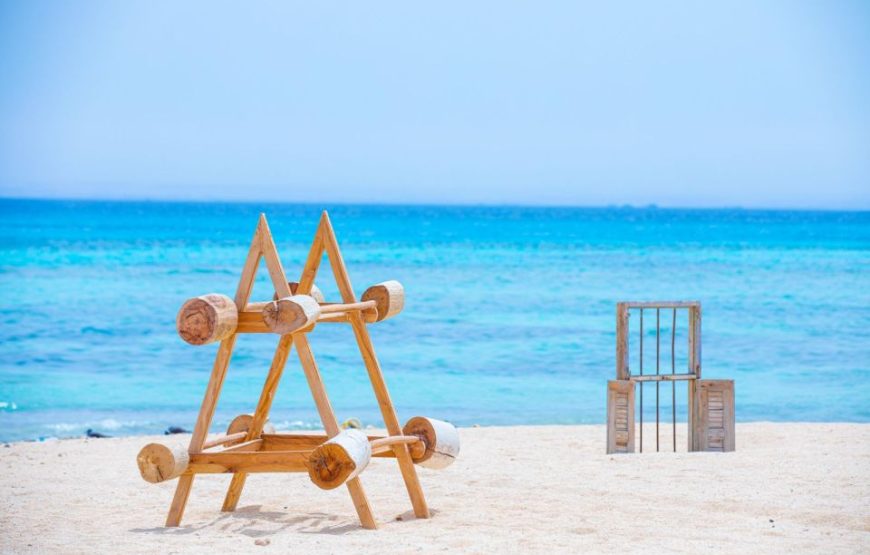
691, 104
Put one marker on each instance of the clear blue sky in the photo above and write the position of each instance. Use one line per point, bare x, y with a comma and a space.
753, 103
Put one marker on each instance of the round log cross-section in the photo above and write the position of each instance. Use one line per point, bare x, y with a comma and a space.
315, 293
158, 462
339, 459
242, 423
441, 439
389, 296
206, 319
290, 314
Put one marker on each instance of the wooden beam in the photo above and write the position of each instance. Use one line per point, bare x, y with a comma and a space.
246, 462
622, 369
663, 377
215, 383
661, 304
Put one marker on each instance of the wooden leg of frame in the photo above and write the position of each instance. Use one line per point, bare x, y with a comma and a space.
279, 361
391, 420
330, 424
179, 501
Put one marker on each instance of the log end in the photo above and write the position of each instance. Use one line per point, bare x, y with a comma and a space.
441, 440
291, 314
339, 459
207, 319
389, 297
158, 462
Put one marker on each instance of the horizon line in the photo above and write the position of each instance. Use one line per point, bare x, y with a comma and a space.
623, 206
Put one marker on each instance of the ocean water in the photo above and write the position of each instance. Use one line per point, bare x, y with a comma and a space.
509, 319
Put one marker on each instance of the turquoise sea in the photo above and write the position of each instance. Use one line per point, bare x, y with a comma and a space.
510, 314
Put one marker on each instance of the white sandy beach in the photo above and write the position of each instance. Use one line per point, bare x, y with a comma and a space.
800, 488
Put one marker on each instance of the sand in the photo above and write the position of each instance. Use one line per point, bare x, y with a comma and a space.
801, 488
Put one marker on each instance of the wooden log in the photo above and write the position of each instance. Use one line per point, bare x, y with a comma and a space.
290, 314
389, 296
158, 462
315, 293
441, 440
241, 424
622, 370
207, 319
340, 459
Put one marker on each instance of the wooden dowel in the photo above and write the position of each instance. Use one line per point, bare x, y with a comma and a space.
253, 445
251, 319
223, 440
415, 444
347, 307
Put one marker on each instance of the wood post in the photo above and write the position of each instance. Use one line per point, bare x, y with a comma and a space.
620, 416
622, 370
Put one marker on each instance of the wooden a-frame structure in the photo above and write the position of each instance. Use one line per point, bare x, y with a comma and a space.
263, 246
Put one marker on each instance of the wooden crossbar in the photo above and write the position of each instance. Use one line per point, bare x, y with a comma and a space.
663, 378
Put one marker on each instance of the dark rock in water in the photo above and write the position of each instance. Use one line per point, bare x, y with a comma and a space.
175, 430
92, 433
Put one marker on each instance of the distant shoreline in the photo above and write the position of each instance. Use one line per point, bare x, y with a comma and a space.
325, 204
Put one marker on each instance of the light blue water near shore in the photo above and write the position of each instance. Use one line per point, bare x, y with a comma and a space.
510, 314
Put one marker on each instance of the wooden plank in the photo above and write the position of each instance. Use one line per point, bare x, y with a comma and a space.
661, 304
246, 462
695, 341
620, 421
714, 415
622, 369
663, 377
